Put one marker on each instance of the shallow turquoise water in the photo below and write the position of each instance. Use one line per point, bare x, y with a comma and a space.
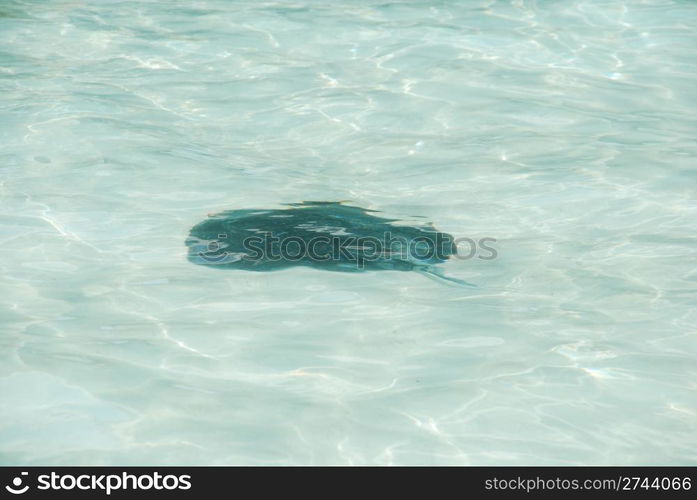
565, 130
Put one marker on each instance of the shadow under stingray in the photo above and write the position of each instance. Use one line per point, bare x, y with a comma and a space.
323, 235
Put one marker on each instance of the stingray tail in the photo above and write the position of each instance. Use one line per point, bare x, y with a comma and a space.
437, 275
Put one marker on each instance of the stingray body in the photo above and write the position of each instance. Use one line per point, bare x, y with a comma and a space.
323, 235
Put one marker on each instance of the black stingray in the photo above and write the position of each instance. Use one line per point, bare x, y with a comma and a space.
323, 235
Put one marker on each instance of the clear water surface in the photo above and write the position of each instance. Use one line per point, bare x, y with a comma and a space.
564, 129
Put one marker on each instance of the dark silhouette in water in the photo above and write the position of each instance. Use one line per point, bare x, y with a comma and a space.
324, 235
